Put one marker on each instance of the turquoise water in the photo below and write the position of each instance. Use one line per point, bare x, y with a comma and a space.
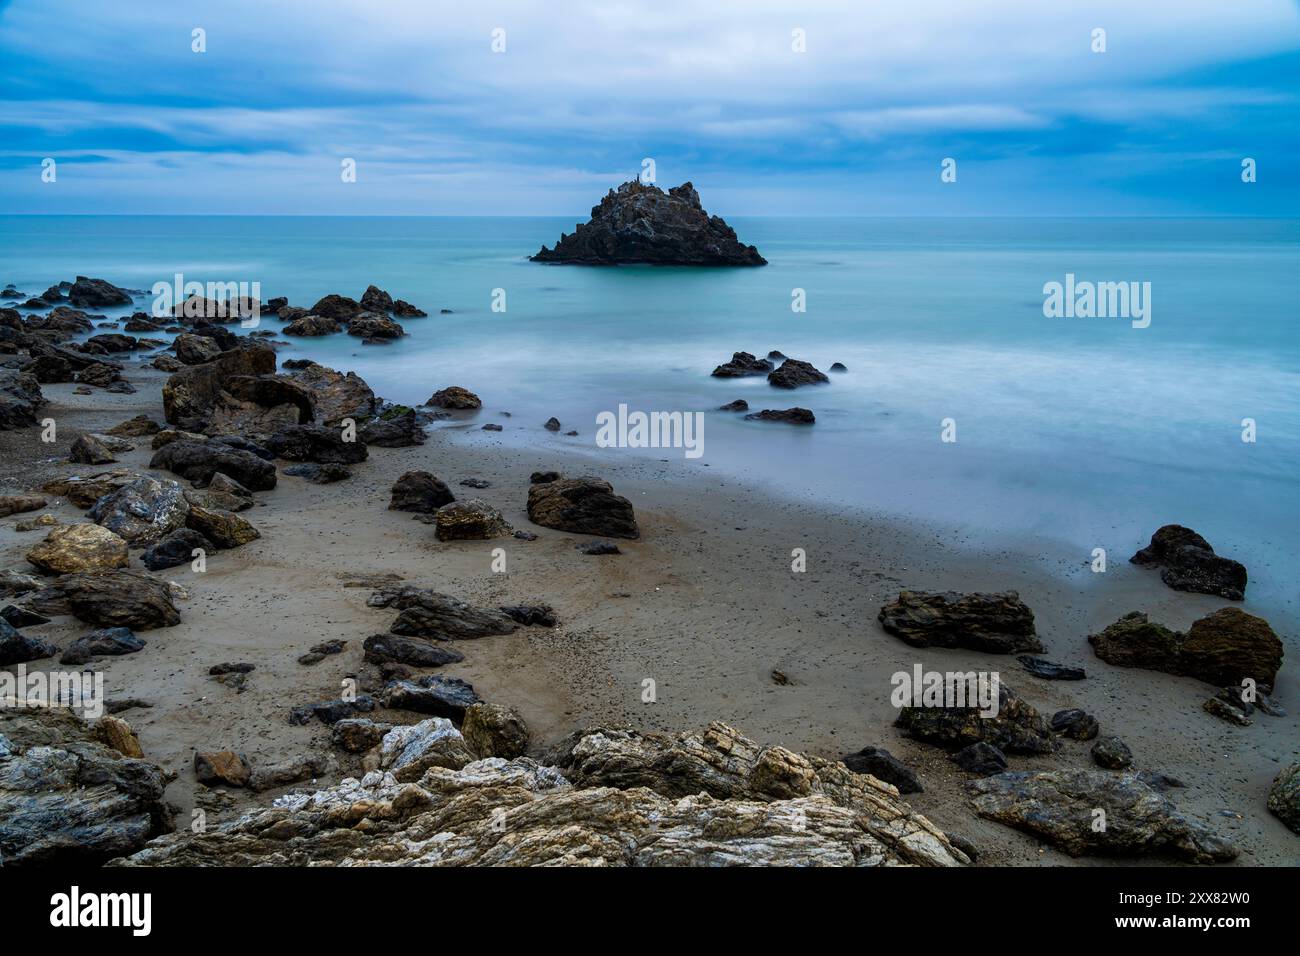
1085, 431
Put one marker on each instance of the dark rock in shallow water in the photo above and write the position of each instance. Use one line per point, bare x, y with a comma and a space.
742, 364
1111, 753
372, 326
998, 623
1075, 724
310, 326
793, 373
739, 405
383, 648
552, 424
640, 223
790, 416
1048, 670
491, 427
583, 505
375, 299
454, 397
107, 642
475, 483
883, 765
96, 294
981, 758
1190, 564
838, 367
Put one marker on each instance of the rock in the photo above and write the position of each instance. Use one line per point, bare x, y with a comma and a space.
18, 504
375, 299
109, 599
790, 416
137, 427
318, 474
1226, 710
430, 614
322, 650
96, 294
997, 623
552, 424
1284, 797
1047, 670
199, 461
372, 325
1060, 806
68, 798
531, 615
79, 547
479, 483
406, 310
142, 511
1075, 724
20, 617
318, 444
332, 711
473, 519
641, 223
454, 397
312, 325
337, 307
393, 648
113, 342
358, 734
116, 733
1017, 728
399, 431
39, 523
407, 752
175, 549
222, 767
433, 694
739, 405
287, 772
15, 582
224, 529
599, 548
793, 373
1112, 753
542, 477
519, 813
981, 759
1190, 564
16, 648
493, 730
1221, 648
192, 396
105, 642
491, 427
20, 398
89, 450
883, 765
195, 349
99, 374
421, 492
838, 367
50, 369
582, 505
84, 491
741, 365
169, 435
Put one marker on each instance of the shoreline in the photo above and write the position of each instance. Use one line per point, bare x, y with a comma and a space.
669, 609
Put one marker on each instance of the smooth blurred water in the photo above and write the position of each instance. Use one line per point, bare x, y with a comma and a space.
1086, 431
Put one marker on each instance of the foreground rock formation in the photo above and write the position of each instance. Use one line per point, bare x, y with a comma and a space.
996, 623
612, 798
641, 223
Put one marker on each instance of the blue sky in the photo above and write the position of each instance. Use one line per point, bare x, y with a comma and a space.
859, 124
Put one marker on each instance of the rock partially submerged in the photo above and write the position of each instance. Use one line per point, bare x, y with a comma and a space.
794, 373
639, 223
742, 364
997, 623
1188, 563
790, 416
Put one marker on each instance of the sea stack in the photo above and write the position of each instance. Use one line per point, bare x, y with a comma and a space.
640, 223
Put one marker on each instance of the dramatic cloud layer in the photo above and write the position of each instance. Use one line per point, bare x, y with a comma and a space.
438, 123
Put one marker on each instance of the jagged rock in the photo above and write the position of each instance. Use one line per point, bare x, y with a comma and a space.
334, 395
332, 711
287, 772
222, 767
494, 730
120, 598
16, 648
174, 549
641, 223
96, 294
794, 373
790, 416
407, 752
427, 613
223, 493
739, 405
433, 694
191, 395
20, 617
883, 765
20, 397
338, 307
199, 461
18, 504
1190, 564
406, 310
138, 427
398, 431
421, 492
1017, 727
15, 582
142, 511
79, 547
1075, 724
1060, 807
195, 349
980, 758
472, 519
169, 435
100, 374
1112, 753
386, 648
1284, 797
995, 623
89, 450
312, 325
375, 299
584, 505
50, 369
66, 797
741, 365
316, 443
454, 397
372, 325
1221, 648
116, 734
358, 734
1048, 670
1227, 710
224, 529
105, 642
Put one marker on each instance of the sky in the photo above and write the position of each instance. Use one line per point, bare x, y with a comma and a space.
792, 109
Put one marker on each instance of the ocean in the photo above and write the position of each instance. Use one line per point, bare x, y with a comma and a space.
1079, 432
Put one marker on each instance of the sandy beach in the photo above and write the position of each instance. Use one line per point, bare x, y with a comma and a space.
704, 604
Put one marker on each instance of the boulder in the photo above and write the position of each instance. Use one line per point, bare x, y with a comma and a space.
372, 325
326, 474
138, 427
195, 349
433, 694
332, 711
105, 642
397, 431
99, 374
454, 397
1075, 724
472, 519
312, 325
584, 505
1190, 564
1017, 727
1284, 797
191, 395
84, 490
334, 395
794, 373
316, 443
790, 416
18, 504
113, 342
175, 549
407, 752
20, 617
200, 461
640, 223
742, 364
883, 765
1112, 753
89, 449
358, 734
142, 511
287, 772
407, 311
997, 623
427, 613
79, 547
1060, 806
980, 758
421, 492
393, 648
96, 294
222, 768
120, 598
16, 648
739, 405
224, 529
20, 398
375, 299
494, 730
337, 307
1048, 670
116, 734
